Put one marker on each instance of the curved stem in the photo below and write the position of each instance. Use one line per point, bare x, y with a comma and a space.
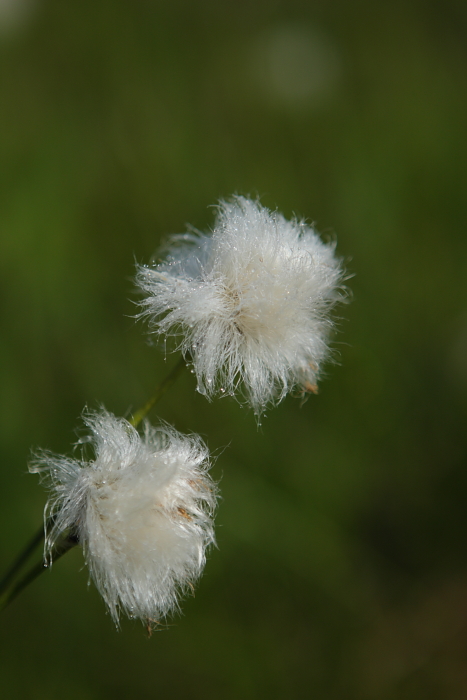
63, 545
159, 393
21, 559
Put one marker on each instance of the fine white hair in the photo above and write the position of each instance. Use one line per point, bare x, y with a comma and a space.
142, 510
251, 302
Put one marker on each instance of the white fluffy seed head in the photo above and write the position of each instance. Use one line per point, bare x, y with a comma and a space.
142, 509
251, 302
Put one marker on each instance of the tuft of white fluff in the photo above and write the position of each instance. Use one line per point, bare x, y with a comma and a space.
251, 302
142, 510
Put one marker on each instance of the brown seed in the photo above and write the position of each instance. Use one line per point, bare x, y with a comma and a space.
310, 388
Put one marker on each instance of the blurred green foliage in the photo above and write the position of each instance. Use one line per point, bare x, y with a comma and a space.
341, 570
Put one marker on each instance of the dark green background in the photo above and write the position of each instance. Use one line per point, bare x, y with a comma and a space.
341, 570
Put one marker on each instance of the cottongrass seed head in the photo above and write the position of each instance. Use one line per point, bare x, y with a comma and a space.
142, 510
251, 302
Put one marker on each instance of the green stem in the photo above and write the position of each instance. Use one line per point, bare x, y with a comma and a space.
22, 559
159, 393
66, 543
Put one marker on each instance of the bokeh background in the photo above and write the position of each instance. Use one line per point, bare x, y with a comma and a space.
341, 568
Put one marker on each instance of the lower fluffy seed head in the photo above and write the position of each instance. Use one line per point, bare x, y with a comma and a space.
251, 301
141, 509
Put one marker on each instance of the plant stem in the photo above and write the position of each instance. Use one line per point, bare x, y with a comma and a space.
22, 559
159, 393
66, 543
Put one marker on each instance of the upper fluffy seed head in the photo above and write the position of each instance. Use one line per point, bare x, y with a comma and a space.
141, 509
251, 301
